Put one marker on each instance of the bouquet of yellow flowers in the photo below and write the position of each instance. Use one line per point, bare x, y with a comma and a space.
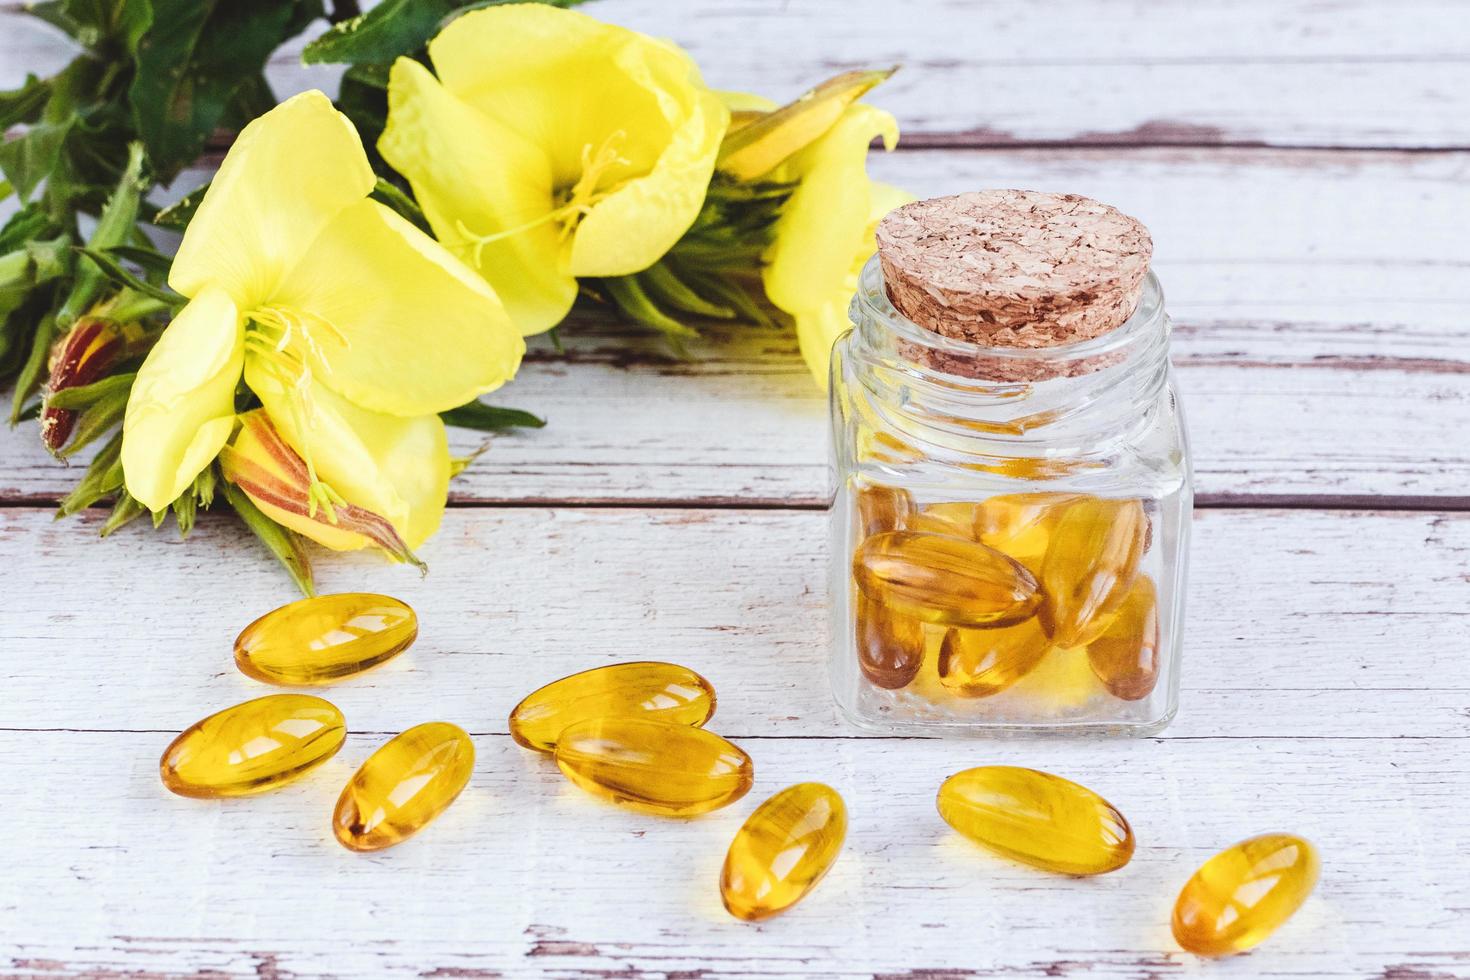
357, 275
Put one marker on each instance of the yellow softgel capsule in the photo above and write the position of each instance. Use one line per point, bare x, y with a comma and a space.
780, 854
979, 663
890, 646
1037, 818
1090, 563
1243, 894
1125, 657
646, 689
955, 518
325, 638
403, 786
946, 580
654, 766
882, 508
1021, 524
253, 747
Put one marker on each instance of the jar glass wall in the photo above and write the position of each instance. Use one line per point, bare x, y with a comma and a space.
1007, 555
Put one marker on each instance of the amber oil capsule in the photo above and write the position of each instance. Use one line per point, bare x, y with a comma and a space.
890, 646
882, 508
955, 518
253, 747
645, 689
1090, 564
654, 766
979, 663
944, 580
403, 786
1038, 819
1125, 657
325, 638
1242, 895
1021, 524
780, 854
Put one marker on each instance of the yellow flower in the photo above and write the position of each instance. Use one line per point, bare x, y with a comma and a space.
552, 146
825, 231
351, 326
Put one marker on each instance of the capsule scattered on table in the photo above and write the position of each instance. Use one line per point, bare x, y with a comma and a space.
325, 638
976, 663
890, 646
1125, 656
783, 850
1090, 563
253, 747
403, 786
1038, 819
944, 580
645, 689
654, 766
1242, 895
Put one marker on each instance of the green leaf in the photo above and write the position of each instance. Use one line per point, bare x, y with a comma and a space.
114, 271
148, 259
391, 29
29, 378
23, 104
664, 285
177, 215
191, 64
490, 418
286, 545
98, 419
125, 511
402, 203
638, 306
31, 157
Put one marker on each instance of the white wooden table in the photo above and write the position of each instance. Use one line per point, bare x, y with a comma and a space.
1305, 168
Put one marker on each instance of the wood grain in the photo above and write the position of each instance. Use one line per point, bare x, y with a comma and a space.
1285, 638
1280, 72
1320, 303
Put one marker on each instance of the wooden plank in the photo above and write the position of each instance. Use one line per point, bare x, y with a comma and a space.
1321, 337
1282, 72
1285, 638
109, 876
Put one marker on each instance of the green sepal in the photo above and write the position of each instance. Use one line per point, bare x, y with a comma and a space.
113, 270
490, 418
636, 304
282, 542
103, 476
84, 396
124, 512
664, 285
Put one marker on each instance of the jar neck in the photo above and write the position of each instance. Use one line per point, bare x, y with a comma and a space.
1071, 395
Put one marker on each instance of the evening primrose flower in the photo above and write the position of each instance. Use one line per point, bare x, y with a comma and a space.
552, 146
825, 231
352, 327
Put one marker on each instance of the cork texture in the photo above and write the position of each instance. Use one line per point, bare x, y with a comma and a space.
1013, 268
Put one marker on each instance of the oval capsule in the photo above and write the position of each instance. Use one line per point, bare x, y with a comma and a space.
1125, 657
646, 689
1243, 894
325, 638
253, 747
882, 508
780, 854
944, 580
979, 663
1090, 564
1021, 524
1038, 819
955, 518
890, 646
654, 766
403, 786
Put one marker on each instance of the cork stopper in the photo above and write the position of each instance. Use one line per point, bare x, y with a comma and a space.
1017, 269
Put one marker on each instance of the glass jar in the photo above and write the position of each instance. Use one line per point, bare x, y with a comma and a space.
1007, 555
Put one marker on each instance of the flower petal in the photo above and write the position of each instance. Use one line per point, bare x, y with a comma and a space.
182, 406
392, 466
288, 173
474, 177
396, 323
577, 88
825, 221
